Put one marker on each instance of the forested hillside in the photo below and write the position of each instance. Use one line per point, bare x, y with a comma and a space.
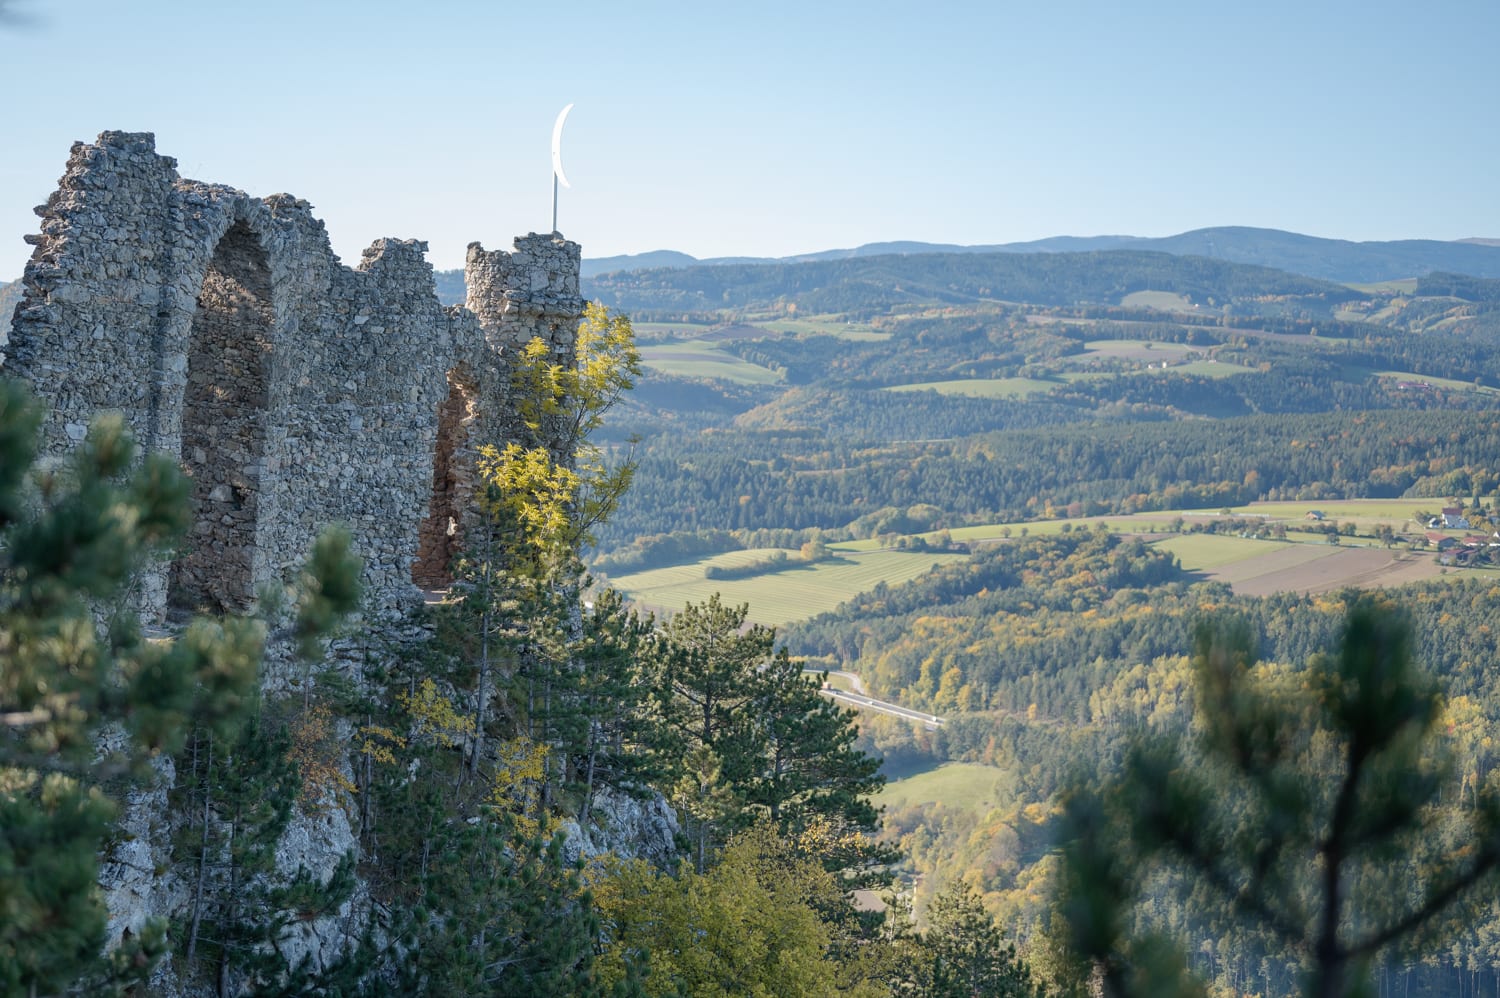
869, 285
965, 412
1329, 259
1047, 655
532, 789
913, 412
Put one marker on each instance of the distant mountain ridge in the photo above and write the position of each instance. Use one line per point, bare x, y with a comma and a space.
1338, 260
867, 284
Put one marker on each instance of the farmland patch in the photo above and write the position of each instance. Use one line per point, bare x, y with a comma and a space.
1007, 388
698, 359
1166, 301
792, 594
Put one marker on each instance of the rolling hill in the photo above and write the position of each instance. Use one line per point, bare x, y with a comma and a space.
1312, 256
865, 284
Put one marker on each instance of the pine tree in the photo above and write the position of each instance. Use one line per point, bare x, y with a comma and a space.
963, 955
239, 806
70, 542
705, 682
812, 768
752, 737
1306, 812
496, 913
609, 744
85, 710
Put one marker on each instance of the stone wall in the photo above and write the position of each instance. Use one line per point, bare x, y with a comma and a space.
296, 391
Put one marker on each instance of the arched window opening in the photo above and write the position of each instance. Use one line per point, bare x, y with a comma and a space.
224, 427
440, 537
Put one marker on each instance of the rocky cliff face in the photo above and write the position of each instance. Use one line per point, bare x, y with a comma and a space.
627, 827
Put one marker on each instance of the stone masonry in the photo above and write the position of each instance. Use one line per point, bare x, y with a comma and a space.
296, 392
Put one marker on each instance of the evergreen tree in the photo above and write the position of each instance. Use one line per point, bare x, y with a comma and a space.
238, 806
1307, 807
811, 766
963, 955
706, 683
83, 709
609, 747
498, 914
69, 544
751, 736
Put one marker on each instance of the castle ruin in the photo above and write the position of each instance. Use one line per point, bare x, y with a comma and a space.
296, 391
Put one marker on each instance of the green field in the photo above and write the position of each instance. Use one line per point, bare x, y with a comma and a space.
1205, 369
778, 597
672, 330
1146, 351
825, 325
988, 388
697, 359
1448, 383
1402, 286
1166, 301
1365, 513
1201, 368
956, 784
801, 592
1203, 551
1139, 523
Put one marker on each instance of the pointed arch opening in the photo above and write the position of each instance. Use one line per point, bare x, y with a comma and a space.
440, 537
224, 416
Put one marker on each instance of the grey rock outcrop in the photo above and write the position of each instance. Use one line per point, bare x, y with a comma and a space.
626, 826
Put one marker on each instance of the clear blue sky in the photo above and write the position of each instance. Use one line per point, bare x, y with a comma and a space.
773, 128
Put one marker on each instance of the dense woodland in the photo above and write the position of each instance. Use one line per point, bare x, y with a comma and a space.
741, 480
1104, 407
1043, 653
1048, 655
870, 285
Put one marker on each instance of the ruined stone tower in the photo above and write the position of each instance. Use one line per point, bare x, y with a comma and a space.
296, 391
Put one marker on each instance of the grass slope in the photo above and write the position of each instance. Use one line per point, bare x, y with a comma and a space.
779, 597
962, 785
697, 359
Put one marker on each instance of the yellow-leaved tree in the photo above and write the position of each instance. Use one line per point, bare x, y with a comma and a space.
550, 491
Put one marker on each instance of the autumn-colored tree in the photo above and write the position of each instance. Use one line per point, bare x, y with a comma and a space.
749, 926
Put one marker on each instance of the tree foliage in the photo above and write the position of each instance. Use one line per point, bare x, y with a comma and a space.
85, 709
748, 733
554, 486
964, 954
752, 925
1306, 805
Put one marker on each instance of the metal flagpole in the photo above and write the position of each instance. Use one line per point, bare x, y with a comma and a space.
558, 177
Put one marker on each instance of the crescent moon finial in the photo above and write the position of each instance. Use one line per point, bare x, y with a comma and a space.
557, 168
